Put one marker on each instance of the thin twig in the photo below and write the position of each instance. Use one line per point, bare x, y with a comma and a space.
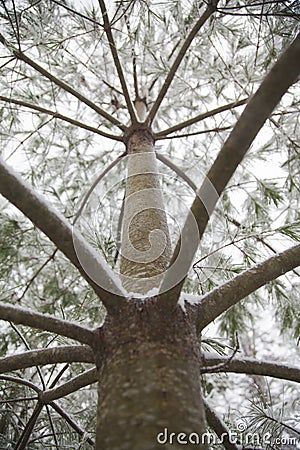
114, 52
171, 74
52, 427
63, 5
51, 257
200, 117
177, 170
258, 238
72, 423
17, 400
196, 133
16, 33
17, 24
57, 115
25, 435
94, 185
220, 367
28, 348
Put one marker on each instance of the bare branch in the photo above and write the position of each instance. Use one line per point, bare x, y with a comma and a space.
76, 13
73, 385
228, 294
232, 153
21, 56
18, 380
62, 235
220, 428
211, 8
36, 274
196, 133
117, 63
57, 115
252, 366
54, 405
23, 439
199, 117
177, 170
95, 183
46, 322
65, 354
72, 423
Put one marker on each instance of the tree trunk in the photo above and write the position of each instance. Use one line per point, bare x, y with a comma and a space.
149, 368
145, 250
149, 380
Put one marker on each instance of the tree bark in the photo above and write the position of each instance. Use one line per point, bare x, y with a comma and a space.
145, 251
149, 384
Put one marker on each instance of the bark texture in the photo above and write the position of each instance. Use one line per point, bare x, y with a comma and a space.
145, 236
148, 379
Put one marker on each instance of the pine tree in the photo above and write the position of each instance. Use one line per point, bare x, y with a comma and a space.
128, 227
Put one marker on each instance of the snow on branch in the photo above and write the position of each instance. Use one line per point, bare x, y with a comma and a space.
46, 322
40, 357
99, 276
230, 293
258, 109
250, 366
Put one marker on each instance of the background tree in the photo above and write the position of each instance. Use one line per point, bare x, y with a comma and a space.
143, 115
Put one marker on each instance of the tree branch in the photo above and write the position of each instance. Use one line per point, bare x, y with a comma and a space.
23, 439
57, 115
46, 322
18, 380
117, 63
177, 170
65, 354
59, 231
252, 366
199, 117
171, 74
196, 133
72, 423
73, 385
21, 56
252, 119
95, 183
220, 428
228, 294
54, 405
